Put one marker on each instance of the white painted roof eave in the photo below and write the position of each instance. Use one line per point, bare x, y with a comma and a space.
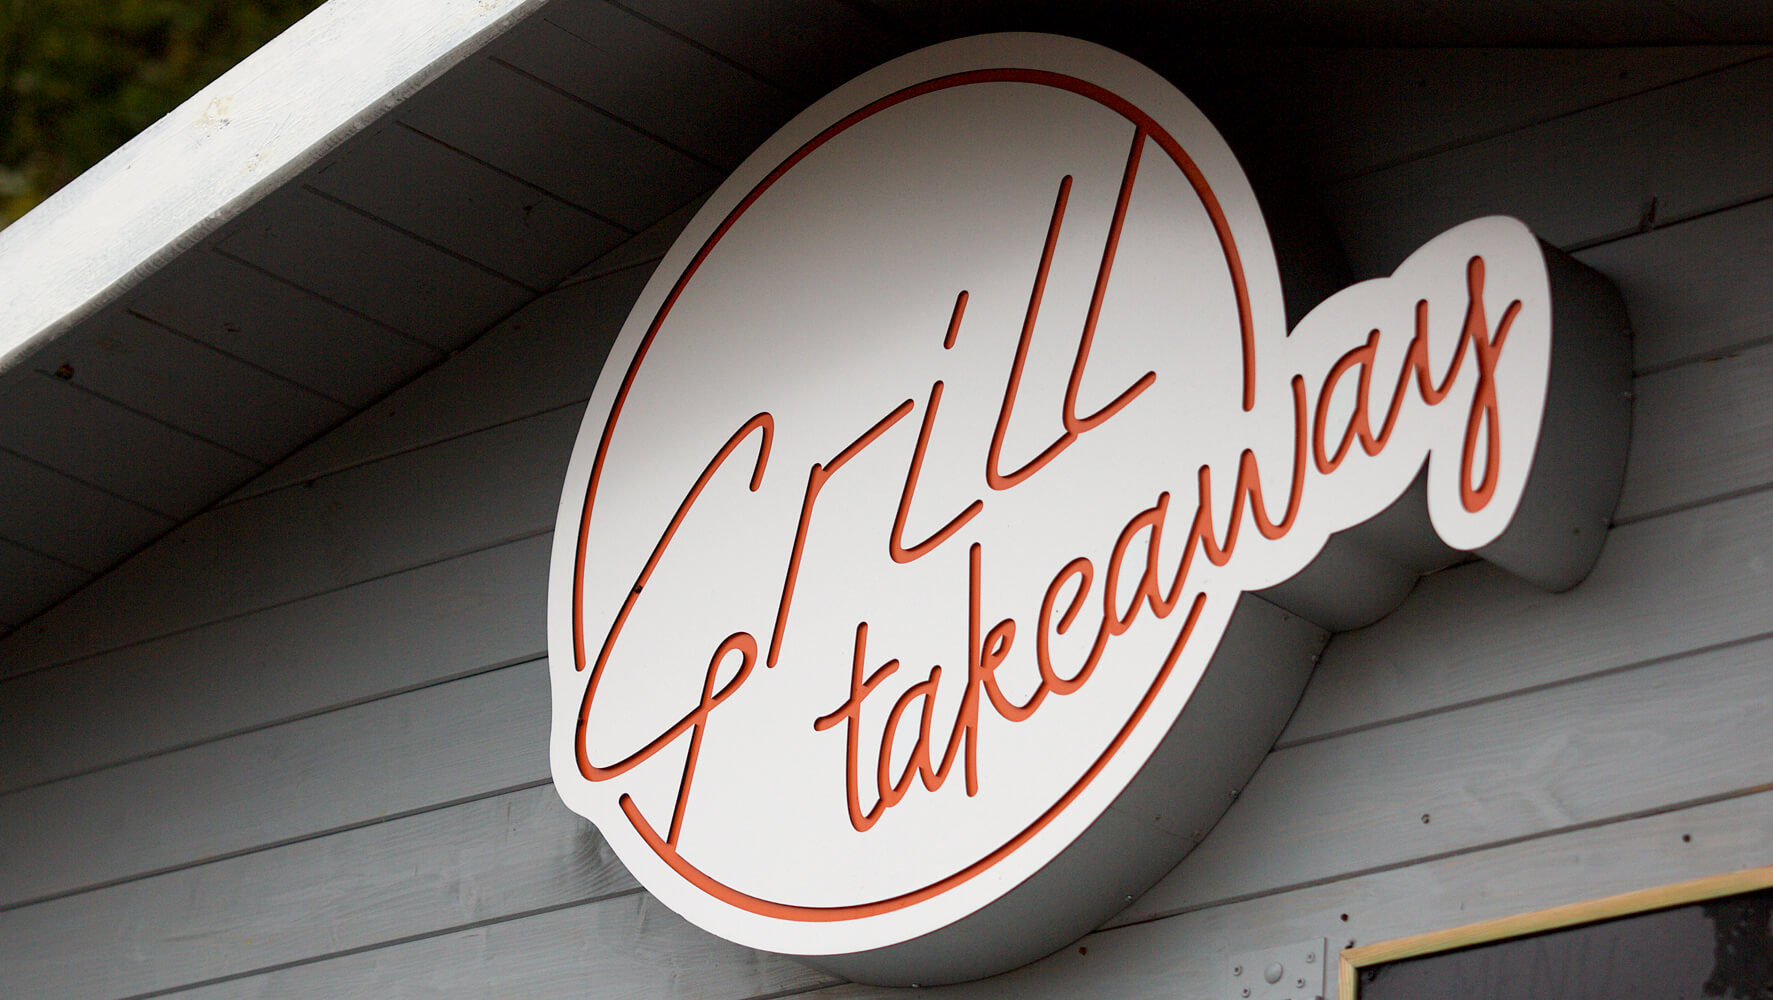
238, 139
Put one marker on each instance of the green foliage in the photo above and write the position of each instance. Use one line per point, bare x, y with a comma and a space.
78, 78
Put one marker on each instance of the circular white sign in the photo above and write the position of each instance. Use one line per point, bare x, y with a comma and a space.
926, 475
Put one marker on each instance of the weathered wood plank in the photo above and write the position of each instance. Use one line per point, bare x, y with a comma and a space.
546, 356
1189, 955
1702, 430
390, 634
416, 288
446, 743
141, 459
193, 387
68, 519
1579, 177
426, 188
606, 56
273, 324
504, 118
1695, 288
627, 948
425, 874
1662, 587
35, 581
459, 496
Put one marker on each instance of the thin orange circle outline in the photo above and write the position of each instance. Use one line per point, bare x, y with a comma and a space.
1222, 228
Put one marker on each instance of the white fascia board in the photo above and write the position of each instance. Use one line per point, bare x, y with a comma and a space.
238, 139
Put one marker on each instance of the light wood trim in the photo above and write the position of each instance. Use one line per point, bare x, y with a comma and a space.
1540, 921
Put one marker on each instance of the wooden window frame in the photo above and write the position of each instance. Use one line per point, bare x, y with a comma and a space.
1700, 890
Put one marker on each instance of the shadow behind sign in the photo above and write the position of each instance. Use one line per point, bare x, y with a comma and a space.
1718, 948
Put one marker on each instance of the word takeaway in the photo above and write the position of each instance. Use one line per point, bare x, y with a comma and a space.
955, 522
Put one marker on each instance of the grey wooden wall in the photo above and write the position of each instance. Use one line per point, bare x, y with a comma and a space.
297, 748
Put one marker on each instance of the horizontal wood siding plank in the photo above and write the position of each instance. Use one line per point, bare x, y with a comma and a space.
1579, 177
282, 328
627, 948
1606, 748
1662, 587
426, 188
661, 83
1697, 287
110, 446
447, 743
545, 356
414, 287
424, 874
459, 496
34, 582
194, 387
1702, 430
1189, 955
68, 519
392, 633
506, 119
